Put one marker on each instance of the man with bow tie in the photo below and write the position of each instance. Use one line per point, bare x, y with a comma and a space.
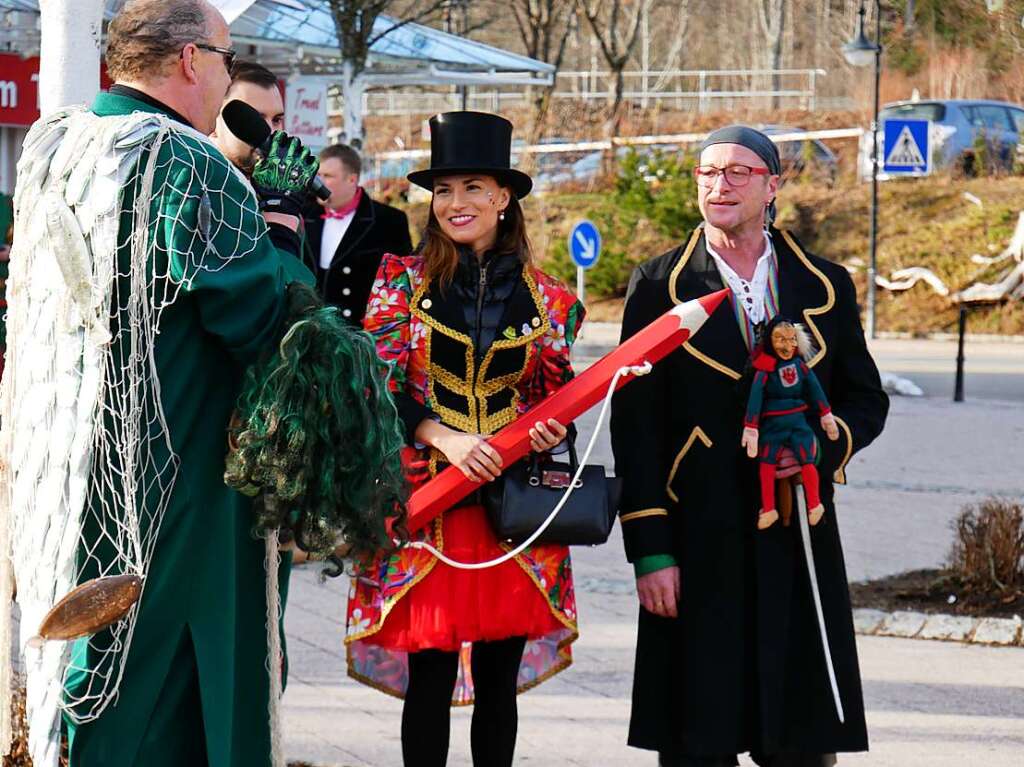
349, 238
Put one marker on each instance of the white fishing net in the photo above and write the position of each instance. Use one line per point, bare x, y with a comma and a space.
113, 217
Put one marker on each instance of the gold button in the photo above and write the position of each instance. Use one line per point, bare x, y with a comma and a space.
535, 322
426, 303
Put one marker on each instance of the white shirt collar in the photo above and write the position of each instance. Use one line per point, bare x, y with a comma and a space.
750, 293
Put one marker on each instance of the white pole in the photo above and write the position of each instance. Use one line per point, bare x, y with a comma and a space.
580, 271
812, 574
69, 52
353, 87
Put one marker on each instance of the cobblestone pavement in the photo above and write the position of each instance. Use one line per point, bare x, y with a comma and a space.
929, 703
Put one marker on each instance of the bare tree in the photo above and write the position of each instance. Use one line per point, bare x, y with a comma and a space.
615, 24
355, 22
678, 12
544, 27
772, 16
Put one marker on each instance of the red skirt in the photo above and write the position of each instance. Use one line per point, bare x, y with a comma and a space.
450, 606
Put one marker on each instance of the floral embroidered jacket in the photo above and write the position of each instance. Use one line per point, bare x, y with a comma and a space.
436, 370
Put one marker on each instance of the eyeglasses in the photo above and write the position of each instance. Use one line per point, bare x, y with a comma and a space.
735, 175
228, 54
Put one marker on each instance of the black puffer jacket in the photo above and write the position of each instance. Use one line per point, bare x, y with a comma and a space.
483, 286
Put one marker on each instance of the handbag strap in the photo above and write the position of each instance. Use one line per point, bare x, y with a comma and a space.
574, 461
636, 370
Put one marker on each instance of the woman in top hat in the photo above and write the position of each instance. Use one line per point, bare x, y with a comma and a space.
477, 335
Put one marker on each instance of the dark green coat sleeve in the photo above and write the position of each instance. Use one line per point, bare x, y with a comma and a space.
223, 255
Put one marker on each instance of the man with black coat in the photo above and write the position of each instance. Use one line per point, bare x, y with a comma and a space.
346, 241
729, 658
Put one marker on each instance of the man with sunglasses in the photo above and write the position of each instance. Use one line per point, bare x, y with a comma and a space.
192, 685
729, 658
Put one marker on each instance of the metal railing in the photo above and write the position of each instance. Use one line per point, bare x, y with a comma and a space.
704, 90
700, 86
391, 165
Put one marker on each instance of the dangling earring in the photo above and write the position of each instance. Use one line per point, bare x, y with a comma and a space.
501, 215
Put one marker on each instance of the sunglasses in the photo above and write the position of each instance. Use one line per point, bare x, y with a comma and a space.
228, 54
735, 175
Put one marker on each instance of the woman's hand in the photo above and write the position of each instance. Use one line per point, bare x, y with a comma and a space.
472, 454
544, 437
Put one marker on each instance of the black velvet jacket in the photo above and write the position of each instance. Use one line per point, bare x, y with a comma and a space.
742, 666
376, 229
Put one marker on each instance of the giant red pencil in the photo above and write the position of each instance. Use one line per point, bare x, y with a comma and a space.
651, 344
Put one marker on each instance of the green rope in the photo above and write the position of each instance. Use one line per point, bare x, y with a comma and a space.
317, 439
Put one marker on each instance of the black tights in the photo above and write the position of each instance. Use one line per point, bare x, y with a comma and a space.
426, 717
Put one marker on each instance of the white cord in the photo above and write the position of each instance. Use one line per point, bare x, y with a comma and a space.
636, 370
812, 574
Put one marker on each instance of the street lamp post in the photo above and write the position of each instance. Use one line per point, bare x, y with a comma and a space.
859, 52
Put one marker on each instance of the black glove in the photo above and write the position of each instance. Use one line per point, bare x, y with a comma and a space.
282, 178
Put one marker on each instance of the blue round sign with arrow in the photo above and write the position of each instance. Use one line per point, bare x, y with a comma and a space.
584, 244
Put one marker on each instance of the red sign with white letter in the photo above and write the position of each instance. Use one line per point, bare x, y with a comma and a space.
19, 88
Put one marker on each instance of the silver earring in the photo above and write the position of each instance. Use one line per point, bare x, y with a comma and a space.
501, 216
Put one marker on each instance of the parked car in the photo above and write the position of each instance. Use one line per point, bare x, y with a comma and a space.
798, 157
956, 125
801, 157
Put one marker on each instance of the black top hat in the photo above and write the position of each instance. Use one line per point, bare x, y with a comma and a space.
467, 142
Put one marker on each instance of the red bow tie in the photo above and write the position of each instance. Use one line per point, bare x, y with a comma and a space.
346, 209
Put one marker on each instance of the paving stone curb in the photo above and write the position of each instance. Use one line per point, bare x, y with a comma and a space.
1004, 632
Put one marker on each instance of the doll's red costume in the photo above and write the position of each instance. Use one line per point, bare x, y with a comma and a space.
782, 390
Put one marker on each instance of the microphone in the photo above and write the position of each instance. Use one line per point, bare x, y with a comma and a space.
249, 126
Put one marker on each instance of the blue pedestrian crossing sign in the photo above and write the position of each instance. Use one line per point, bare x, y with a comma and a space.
905, 147
584, 244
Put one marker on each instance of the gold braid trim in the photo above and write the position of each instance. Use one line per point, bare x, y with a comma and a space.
491, 422
840, 472
672, 279
644, 513
697, 433
438, 544
830, 300
808, 313
678, 268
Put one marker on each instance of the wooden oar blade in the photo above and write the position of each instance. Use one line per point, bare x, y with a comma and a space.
91, 607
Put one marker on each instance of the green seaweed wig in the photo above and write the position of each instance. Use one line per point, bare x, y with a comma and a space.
316, 437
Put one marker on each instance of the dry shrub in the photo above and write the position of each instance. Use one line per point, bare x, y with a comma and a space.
988, 551
19, 748
19, 756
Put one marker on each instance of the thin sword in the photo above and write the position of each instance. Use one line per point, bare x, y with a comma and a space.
812, 574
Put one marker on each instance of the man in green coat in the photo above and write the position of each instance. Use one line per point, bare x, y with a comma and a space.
194, 688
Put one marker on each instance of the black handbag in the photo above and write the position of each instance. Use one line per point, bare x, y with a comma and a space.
526, 494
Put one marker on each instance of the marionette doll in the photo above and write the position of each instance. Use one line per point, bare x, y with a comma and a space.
782, 390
